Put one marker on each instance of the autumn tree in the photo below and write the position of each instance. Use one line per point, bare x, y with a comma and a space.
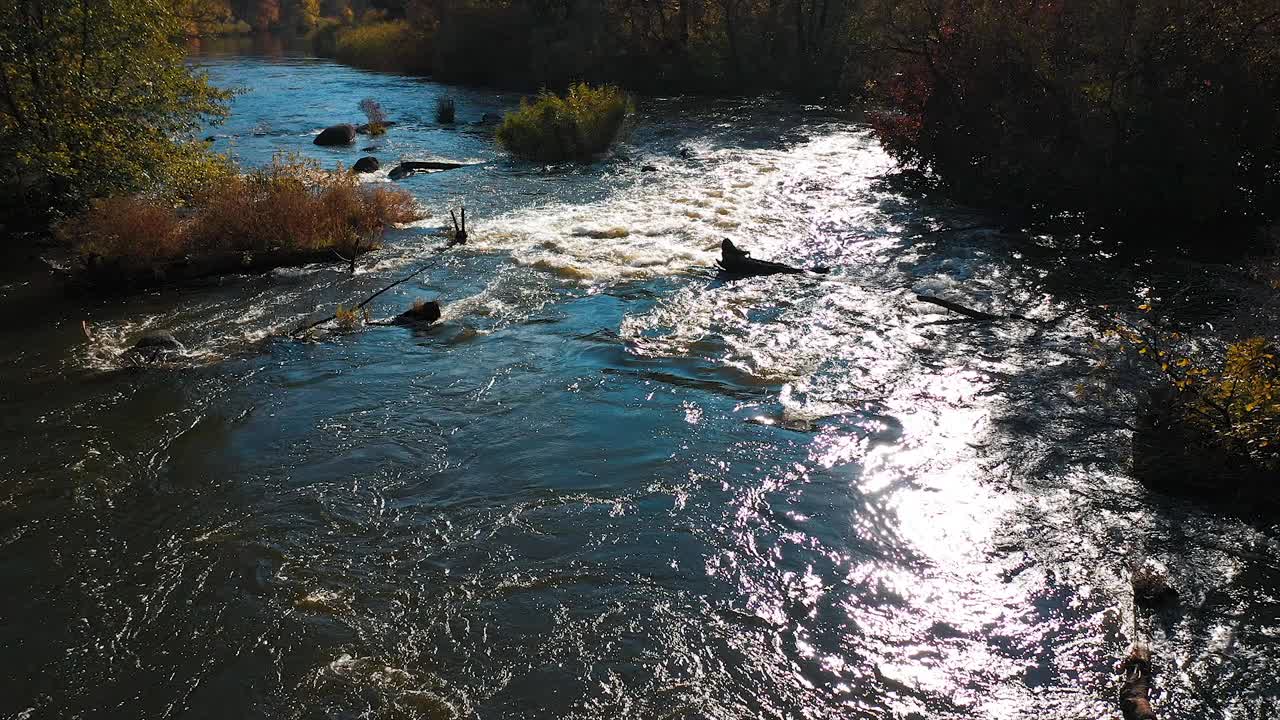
95, 99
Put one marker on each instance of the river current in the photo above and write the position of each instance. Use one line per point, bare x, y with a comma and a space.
609, 484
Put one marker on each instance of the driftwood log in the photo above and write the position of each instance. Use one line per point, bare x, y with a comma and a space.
459, 230
980, 316
107, 274
410, 167
738, 262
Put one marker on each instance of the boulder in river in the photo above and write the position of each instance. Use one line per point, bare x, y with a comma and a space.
366, 165
423, 312
1151, 587
343, 134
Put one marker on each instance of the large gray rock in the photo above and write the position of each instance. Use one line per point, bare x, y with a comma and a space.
343, 134
366, 165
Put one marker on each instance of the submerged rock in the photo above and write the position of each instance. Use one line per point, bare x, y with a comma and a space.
422, 313
343, 134
366, 165
1151, 587
157, 346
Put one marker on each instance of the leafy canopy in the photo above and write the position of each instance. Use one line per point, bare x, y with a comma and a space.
95, 100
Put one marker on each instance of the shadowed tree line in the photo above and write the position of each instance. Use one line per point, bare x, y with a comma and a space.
1157, 120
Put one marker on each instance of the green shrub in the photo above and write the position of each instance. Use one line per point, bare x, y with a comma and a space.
392, 46
578, 126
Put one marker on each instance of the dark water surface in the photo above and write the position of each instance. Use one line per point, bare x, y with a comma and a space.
608, 484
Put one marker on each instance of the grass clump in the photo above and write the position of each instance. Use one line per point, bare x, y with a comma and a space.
290, 205
578, 126
446, 110
349, 319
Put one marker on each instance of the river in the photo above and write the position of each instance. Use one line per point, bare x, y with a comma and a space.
608, 483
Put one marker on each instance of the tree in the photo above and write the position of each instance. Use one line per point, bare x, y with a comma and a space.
95, 99
1151, 117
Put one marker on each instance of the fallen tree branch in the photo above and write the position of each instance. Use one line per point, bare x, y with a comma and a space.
960, 309
980, 316
367, 300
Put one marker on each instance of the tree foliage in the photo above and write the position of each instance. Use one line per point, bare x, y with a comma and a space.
1151, 114
95, 100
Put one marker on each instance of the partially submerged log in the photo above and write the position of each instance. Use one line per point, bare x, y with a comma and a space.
459, 230
738, 262
960, 309
409, 167
1135, 686
116, 274
360, 306
421, 313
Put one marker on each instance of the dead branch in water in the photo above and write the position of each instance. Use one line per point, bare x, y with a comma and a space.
367, 300
459, 238
960, 309
980, 316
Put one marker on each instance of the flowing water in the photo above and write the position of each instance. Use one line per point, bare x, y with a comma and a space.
608, 483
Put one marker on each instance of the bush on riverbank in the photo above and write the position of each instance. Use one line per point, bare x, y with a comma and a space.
288, 206
1148, 117
578, 126
1213, 425
386, 45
